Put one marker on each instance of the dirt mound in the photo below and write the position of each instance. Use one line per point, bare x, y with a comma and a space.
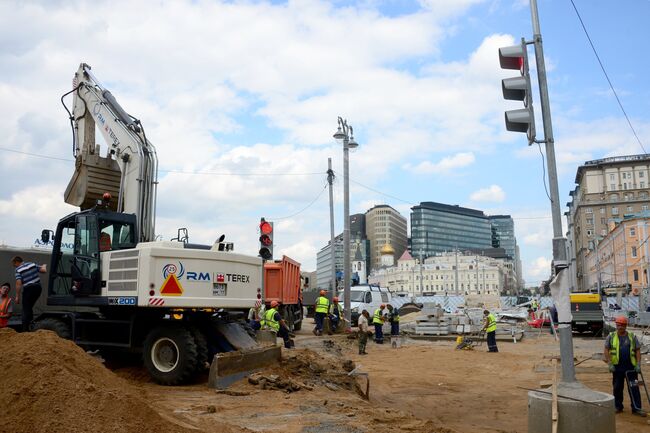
315, 369
51, 385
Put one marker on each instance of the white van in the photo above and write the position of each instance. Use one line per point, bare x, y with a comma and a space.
365, 297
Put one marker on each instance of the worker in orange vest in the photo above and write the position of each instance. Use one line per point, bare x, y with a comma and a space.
6, 305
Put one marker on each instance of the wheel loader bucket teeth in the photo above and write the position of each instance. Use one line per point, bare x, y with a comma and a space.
230, 367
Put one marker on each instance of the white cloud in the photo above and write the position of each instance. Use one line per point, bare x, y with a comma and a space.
538, 270
493, 193
445, 165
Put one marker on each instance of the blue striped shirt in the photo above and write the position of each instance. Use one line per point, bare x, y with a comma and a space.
28, 273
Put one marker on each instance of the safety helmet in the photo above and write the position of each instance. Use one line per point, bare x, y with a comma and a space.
382, 306
274, 304
335, 299
621, 320
323, 293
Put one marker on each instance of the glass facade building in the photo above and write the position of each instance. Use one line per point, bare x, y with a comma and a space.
437, 227
503, 234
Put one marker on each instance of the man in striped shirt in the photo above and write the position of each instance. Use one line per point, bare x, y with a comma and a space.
28, 287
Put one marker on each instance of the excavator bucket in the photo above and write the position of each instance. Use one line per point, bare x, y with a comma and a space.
93, 176
249, 356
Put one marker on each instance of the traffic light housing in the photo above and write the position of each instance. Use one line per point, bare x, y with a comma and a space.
266, 239
518, 89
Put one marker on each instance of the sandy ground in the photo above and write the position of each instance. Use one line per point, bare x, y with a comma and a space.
422, 386
51, 385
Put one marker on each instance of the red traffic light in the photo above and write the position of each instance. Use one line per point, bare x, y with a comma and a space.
266, 227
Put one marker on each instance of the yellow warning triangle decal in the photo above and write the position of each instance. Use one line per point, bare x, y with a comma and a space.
171, 286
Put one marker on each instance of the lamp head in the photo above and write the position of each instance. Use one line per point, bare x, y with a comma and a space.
339, 136
353, 144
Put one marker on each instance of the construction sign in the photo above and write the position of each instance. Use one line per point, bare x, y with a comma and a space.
171, 286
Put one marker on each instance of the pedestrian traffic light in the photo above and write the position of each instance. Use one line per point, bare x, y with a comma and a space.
266, 239
518, 89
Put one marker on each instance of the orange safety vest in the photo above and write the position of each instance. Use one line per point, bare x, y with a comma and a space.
4, 307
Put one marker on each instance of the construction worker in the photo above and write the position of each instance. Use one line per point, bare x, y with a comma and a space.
255, 314
28, 287
623, 355
336, 314
378, 321
273, 321
490, 328
321, 308
393, 318
363, 331
6, 305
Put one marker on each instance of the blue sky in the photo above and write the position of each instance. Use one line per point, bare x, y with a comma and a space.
252, 90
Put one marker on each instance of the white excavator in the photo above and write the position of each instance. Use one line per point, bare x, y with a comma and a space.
113, 286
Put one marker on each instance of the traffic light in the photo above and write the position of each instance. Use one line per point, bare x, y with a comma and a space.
518, 89
266, 239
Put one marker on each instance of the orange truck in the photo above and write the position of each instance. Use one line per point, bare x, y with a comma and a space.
282, 284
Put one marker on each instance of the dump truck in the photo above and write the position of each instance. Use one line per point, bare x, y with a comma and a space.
282, 284
178, 304
587, 312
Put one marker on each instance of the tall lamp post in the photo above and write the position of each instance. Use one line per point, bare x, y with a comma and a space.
345, 135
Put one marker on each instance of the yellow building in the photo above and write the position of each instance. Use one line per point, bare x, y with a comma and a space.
621, 257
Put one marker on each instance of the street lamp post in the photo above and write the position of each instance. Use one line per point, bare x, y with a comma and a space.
345, 135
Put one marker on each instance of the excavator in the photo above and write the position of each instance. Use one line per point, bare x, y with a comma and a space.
114, 287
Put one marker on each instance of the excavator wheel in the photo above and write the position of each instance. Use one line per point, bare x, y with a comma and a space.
170, 354
202, 361
61, 328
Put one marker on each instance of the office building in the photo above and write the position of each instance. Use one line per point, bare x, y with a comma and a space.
385, 226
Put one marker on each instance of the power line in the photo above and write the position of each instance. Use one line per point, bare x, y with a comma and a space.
611, 86
303, 209
192, 173
35, 155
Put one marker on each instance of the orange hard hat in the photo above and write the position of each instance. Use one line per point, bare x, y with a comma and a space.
323, 292
274, 304
382, 306
335, 299
621, 320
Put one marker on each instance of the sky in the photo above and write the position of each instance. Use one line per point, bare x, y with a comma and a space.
241, 99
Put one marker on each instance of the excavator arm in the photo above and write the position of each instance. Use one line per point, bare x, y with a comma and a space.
128, 171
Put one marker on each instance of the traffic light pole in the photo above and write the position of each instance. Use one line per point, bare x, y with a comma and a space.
330, 181
559, 242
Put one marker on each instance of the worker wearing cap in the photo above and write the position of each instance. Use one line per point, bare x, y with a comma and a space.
321, 308
623, 355
336, 313
490, 328
6, 305
393, 318
378, 321
273, 321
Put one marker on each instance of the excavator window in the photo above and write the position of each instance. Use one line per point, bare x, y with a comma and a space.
116, 235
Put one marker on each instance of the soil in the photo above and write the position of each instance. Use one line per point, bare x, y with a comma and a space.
51, 385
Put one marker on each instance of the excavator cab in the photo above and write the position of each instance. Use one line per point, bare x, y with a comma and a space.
80, 239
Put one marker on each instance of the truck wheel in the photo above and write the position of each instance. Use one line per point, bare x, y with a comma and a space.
61, 328
297, 326
201, 349
170, 355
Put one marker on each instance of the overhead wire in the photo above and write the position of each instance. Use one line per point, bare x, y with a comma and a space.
305, 208
611, 86
198, 173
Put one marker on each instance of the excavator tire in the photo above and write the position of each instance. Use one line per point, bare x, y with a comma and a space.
58, 326
170, 354
201, 349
